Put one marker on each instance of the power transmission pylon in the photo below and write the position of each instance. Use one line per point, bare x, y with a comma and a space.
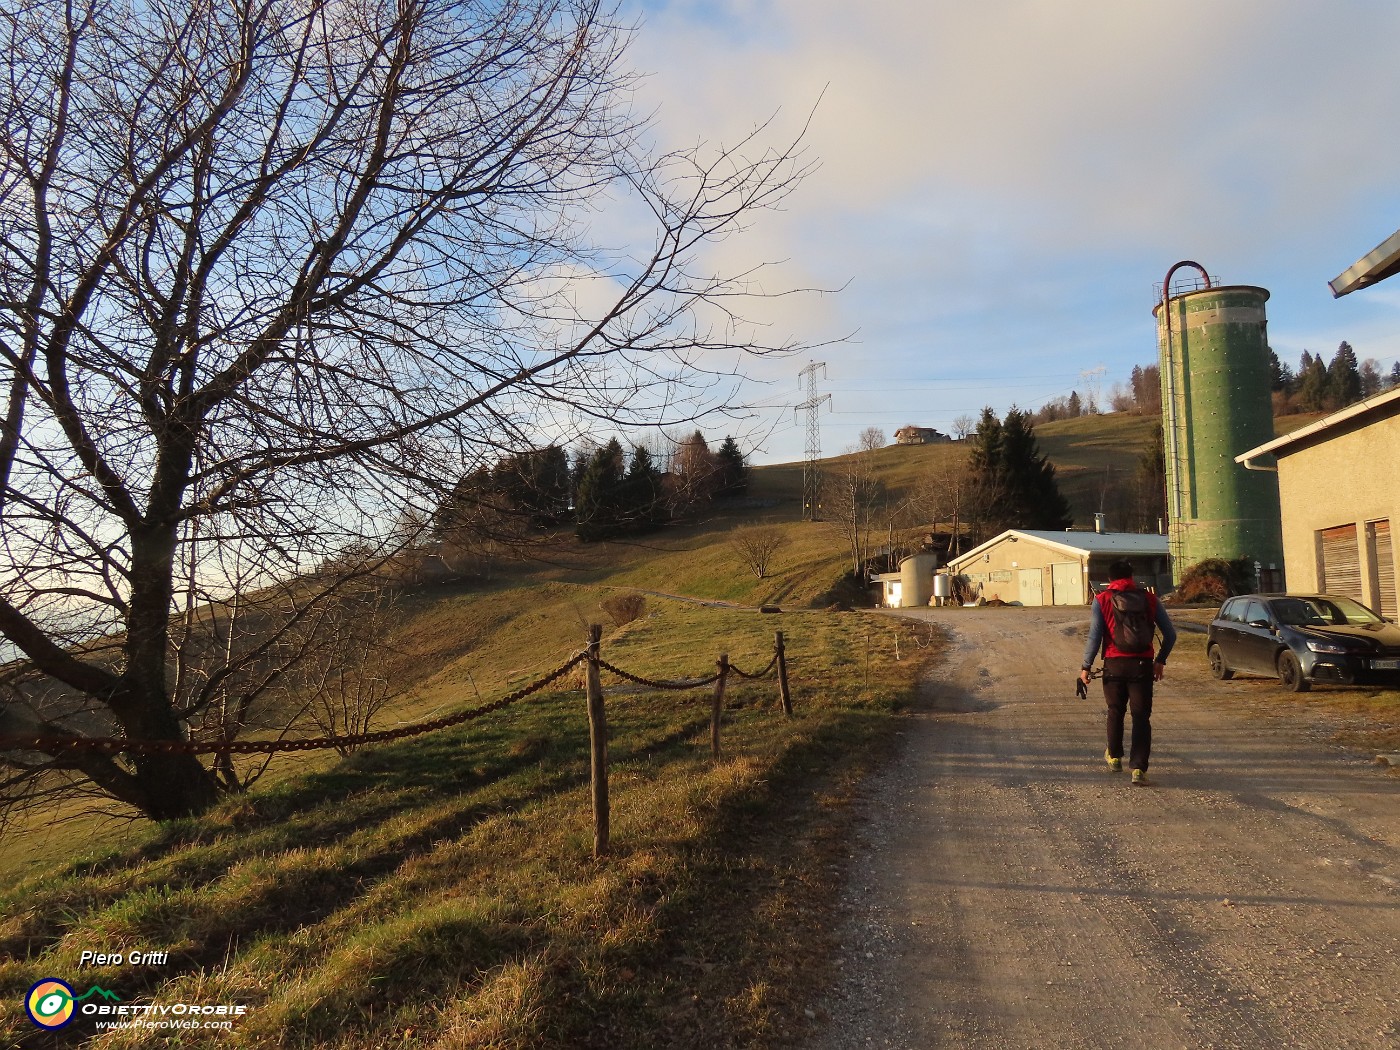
811, 467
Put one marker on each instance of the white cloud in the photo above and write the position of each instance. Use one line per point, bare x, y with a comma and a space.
1003, 183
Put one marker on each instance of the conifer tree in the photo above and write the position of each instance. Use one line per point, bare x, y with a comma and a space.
1033, 498
641, 500
1013, 482
598, 504
1343, 379
1313, 387
733, 474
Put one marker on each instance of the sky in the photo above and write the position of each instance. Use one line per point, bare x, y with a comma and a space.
1002, 186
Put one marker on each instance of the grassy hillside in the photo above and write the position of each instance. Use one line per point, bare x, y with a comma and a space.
441, 891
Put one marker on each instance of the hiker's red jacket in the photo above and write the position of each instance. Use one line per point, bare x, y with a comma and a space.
1101, 626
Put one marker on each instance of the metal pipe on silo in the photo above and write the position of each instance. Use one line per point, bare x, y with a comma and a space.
1216, 403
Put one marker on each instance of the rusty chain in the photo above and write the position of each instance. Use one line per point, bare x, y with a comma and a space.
116, 745
761, 674
676, 683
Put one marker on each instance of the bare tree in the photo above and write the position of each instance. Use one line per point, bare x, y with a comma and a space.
851, 499
756, 545
870, 439
275, 275
963, 426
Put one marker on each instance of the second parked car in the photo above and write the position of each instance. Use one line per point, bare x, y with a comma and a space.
1304, 638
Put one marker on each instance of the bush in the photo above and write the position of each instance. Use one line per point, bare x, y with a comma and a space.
850, 591
624, 608
1215, 579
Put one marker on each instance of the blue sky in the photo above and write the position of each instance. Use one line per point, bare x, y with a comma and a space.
1003, 184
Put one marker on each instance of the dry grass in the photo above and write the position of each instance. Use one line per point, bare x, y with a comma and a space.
441, 892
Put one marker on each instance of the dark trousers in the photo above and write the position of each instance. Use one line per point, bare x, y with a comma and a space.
1127, 686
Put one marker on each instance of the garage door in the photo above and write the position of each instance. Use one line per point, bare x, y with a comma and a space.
1341, 562
1030, 590
1383, 558
1066, 583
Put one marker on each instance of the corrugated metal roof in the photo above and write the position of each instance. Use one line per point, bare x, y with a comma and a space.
1075, 543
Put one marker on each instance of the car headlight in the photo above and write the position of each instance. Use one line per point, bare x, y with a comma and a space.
1326, 647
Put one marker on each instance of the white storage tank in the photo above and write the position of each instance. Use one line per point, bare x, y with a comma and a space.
916, 580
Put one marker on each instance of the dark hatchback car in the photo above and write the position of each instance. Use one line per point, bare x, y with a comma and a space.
1304, 638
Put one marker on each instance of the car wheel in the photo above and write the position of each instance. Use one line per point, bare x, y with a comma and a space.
1218, 666
1290, 673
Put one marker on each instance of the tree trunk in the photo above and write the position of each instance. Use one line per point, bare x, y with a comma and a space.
168, 786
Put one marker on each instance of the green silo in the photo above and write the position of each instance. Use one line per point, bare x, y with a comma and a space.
1216, 403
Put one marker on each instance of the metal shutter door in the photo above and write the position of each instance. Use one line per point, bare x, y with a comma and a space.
1383, 557
1341, 562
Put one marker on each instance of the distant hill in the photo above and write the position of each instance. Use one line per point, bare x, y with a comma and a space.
1092, 455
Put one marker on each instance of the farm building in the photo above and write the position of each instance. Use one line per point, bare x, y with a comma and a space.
919, 436
1059, 568
1339, 492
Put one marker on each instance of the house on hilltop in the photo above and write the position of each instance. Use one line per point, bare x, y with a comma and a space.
912, 435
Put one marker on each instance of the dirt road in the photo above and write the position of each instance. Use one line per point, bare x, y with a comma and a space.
1010, 892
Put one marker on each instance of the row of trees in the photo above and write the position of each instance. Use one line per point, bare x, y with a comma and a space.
603, 492
1321, 386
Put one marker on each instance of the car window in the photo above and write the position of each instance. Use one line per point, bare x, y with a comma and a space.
1255, 611
1228, 610
1343, 611
1299, 612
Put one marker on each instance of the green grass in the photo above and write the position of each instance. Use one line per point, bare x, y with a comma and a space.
442, 892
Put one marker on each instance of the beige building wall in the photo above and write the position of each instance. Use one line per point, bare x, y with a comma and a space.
1021, 571
1347, 478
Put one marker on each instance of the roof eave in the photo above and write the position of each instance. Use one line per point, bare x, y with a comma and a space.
1319, 425
1374, 267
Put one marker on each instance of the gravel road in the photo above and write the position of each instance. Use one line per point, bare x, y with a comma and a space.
1010, 892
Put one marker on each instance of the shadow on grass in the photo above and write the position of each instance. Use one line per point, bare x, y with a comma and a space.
462, 776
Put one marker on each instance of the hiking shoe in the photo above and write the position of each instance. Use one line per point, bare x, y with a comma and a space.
1115, 765
1140, 777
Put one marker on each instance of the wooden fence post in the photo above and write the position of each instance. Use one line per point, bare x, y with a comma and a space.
717, 705
598, 743
784, 696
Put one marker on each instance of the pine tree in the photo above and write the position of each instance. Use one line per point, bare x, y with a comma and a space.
598, 503
1313, 387
1394, 379
985, 502
1076, 407
1343, 379
1032, 496
535, 483
641, 503
733, 474
1013, 483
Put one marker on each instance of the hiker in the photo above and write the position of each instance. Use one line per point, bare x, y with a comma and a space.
1121, 621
